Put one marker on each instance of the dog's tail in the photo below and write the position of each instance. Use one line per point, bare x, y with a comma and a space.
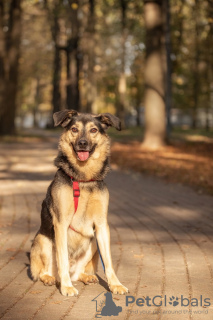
36, 263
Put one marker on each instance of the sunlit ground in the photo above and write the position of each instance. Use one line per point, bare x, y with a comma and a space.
187, 159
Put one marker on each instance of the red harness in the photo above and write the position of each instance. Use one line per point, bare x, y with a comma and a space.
76, 195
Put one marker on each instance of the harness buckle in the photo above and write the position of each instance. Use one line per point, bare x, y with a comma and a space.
76, 193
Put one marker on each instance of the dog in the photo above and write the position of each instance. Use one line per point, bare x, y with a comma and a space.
65, 249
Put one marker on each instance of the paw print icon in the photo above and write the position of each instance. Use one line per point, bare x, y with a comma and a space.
173, 301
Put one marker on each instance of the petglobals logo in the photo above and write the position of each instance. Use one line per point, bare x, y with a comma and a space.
105, 306
165, 301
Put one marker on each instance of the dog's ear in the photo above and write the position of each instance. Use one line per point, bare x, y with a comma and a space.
108, 120
63, 117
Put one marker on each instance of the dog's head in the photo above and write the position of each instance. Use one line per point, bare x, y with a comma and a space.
86, 133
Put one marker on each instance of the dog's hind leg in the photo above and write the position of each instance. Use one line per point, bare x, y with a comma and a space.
90, 270
86, 266
92, 265
41, 260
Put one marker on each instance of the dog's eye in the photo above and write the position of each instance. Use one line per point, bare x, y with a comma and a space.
93, 130
74, 129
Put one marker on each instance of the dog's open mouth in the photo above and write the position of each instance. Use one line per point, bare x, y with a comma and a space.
83, 155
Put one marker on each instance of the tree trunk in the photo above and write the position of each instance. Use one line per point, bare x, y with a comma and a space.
91, 88
56, 94
155, 113
196, 78
2, 60
168, 67
36, 103
209, 108
53, 16
9, 56
73, 67
73, 62
122, 80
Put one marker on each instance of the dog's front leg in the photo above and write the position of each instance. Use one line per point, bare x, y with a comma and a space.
103, 238
66, 286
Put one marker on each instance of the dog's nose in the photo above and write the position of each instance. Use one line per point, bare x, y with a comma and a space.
82, 143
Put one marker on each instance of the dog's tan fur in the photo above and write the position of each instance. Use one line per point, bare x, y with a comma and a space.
72, 255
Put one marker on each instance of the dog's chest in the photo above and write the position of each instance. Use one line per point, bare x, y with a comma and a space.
81, 229
82, 220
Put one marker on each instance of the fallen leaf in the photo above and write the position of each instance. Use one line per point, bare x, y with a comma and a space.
56, 302
138, 255
35, 291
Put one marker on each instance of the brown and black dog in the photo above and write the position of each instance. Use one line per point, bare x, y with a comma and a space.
60, 252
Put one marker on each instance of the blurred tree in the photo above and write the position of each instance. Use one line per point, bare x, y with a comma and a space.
64, 24
36, 63
209, 57
73, 57
122, 79
155, 114
196, 75
10, 37
192, 43
168, 65
53, 12
95, 53
90, 54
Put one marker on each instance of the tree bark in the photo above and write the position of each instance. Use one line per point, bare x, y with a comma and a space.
73, 67
168, 67
155, 113
56, 94
36, 105
53, 17
9, 61
2, 59
122, 81
91, 88
73, 62
196, 78
210, 69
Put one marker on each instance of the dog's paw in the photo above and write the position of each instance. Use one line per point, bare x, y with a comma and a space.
47, 280
119, 289
88, 279
69, 291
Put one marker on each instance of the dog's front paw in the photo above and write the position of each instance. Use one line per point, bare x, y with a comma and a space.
69, 291
118, 289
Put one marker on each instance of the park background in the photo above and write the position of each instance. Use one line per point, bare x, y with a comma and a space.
148, 62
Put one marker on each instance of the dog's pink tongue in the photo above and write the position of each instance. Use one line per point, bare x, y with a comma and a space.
83, 155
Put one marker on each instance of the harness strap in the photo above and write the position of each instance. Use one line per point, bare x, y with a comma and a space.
76, 191
76, 195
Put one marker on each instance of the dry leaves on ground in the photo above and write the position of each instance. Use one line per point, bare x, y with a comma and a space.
188, 163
